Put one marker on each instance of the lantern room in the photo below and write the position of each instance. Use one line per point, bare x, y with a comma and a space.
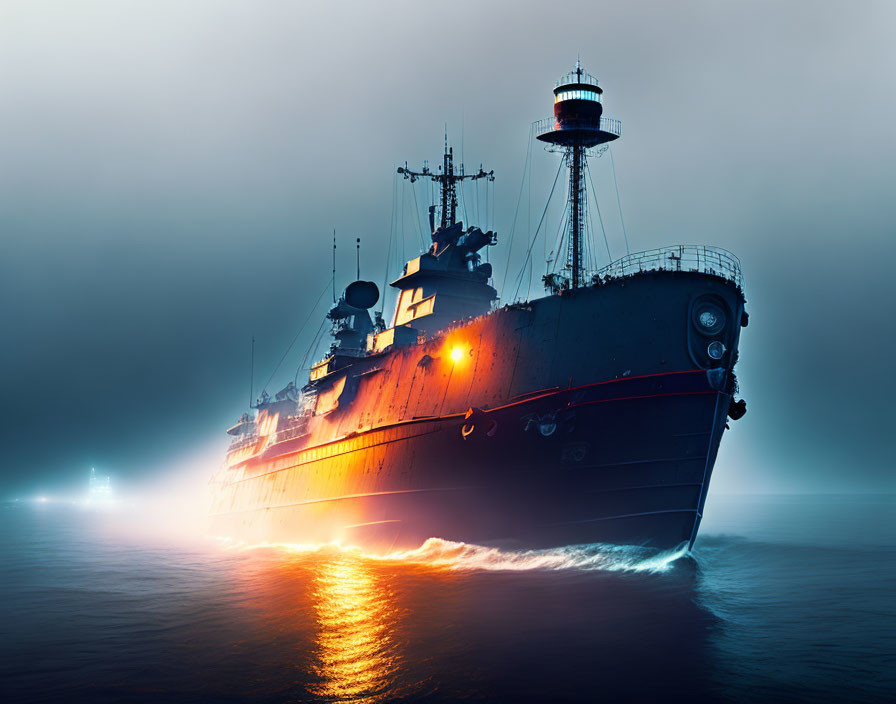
577, 98
578, 113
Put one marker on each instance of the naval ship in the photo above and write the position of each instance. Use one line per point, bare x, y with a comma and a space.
590, 415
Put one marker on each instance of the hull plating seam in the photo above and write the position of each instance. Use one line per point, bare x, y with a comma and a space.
686, 458
344, 452
374, 523
550, 392
625, 515
636, 487
630, 398
336, 498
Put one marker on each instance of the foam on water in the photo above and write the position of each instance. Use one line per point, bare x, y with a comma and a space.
597, 556
466, 556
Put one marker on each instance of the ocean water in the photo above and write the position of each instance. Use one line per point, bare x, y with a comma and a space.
784, 598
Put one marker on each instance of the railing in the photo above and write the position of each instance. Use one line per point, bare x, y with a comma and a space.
298, 425
242, 441
293, 432
580, 77
714, 261
606, 124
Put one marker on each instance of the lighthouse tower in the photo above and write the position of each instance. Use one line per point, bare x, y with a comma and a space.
577, 125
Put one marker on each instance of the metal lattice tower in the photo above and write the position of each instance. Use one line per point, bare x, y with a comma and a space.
577, 125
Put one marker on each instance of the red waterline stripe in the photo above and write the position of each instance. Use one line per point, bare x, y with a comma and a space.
630, 398
555, 392
453, 416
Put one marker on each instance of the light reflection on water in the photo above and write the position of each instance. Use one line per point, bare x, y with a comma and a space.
94, 612
355, 644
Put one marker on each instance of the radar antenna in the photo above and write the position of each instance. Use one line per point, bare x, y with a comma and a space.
447, 180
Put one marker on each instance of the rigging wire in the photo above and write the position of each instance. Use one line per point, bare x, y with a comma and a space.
389, 249
301, 329
478, 214
529, 186
599, 217
589, 240
519, 201
535, 236
561, 236
529, 282
312, 347
401, 209
492, 219
417, 217
618, 201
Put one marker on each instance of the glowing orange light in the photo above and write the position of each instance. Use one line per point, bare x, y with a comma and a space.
356, 646
456, 354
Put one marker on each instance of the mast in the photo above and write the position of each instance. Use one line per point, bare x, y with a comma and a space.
577, 126
447, 179
576, 214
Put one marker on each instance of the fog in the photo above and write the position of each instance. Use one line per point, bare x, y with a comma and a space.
171, 175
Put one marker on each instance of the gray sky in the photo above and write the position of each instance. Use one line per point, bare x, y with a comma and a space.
170, 174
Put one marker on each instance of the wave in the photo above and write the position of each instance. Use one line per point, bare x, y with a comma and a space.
448, 554
597, 556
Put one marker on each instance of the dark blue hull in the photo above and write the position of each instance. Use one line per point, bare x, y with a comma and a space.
626, 462
579, 419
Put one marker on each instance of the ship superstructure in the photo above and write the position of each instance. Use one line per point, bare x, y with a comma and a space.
593, 414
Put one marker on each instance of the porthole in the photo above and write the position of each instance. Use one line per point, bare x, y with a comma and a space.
709, 319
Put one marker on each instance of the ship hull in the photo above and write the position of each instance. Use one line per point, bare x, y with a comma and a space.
613, 455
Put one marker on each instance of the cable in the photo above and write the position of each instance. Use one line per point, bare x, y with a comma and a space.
535, 236
618, 201
519, 200
314, 344
561, 235
478, 213
389, 249
401, 209
301, 329
599, 218
417, 218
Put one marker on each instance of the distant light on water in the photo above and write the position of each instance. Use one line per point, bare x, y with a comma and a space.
100, 491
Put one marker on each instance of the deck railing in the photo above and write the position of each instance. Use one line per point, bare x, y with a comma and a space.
574, 77
606, 124
242, 441
714, 261
295, 431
